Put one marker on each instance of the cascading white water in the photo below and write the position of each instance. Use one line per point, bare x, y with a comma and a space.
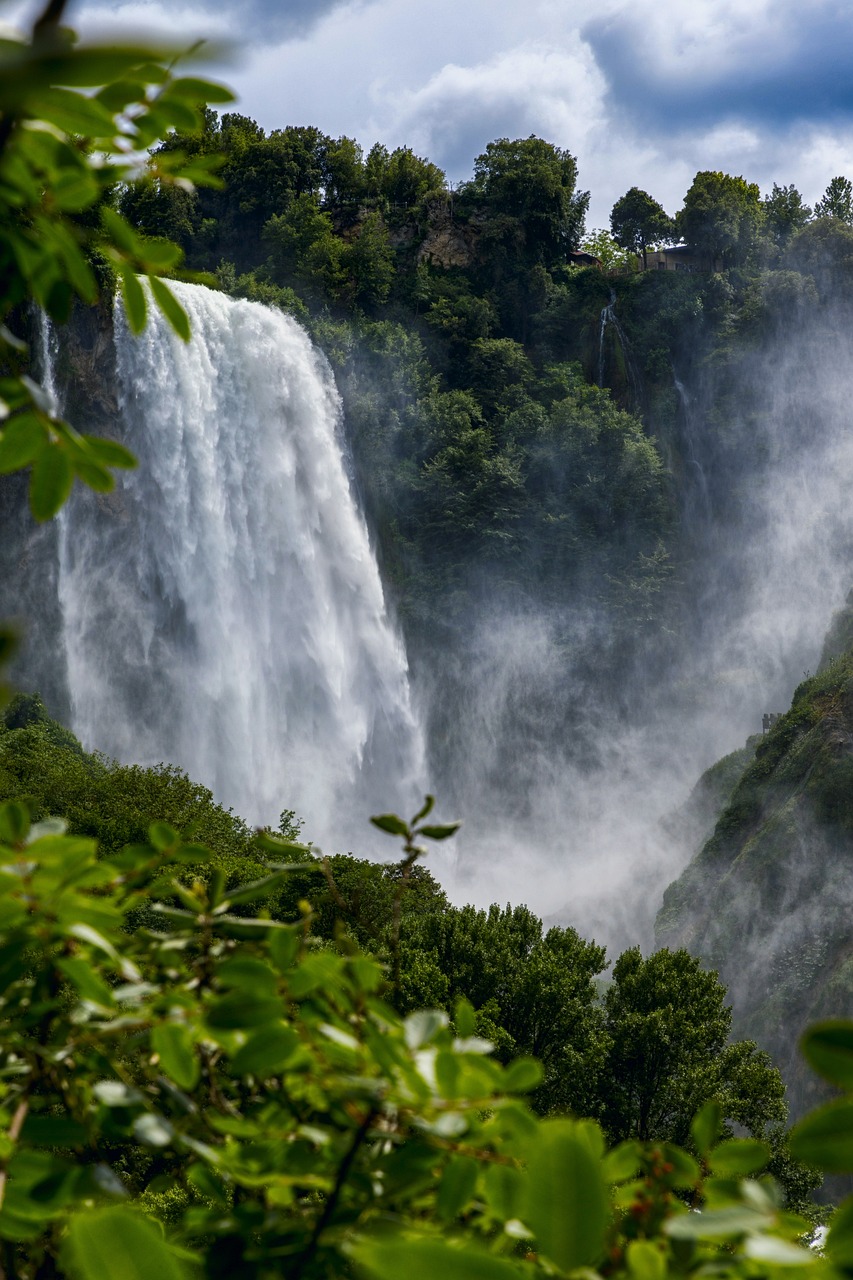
223, 610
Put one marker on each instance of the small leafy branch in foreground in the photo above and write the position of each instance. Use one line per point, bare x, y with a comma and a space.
74, 124
214, 1092
410, 832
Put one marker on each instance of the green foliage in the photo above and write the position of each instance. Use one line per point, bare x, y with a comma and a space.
721, 217
255, 1082
837, 201
669, 1051
784, 213
611, 254
529, 185
638, 222
60, 236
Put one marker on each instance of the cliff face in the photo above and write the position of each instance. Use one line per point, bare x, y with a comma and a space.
85, 379
767, 901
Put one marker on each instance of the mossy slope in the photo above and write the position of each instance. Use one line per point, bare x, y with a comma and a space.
767, 900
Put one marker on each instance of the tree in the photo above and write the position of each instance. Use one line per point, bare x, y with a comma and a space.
721, 217
408, 178
638, 222
533, 184
304, 249
784, 213
370, 261
669, 1027
837, 201
342, 162
612, 256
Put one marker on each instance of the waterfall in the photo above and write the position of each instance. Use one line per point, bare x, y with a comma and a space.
223, 609
697, 497
609, 317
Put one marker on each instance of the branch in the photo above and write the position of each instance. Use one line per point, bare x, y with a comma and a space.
14, 1133
334, 1196
48, 20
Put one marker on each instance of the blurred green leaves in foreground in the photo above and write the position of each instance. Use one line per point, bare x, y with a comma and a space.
75, 123
192, 1088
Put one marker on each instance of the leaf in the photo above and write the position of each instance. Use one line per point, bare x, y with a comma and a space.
283, 946
172, 1042
73, 112
23, 438
828, 1048
109, 452
93, 475
716, 1224
425, 809
623, 1162
426, 1258
504, 1190
706, 1126
163, 837
195, 90
117, 1242
134, 301
464, 1017
738, 1157
266, 1052
14, 822
53, 1131
646, 1261
839, 1242
391, 823
159, 254
257, 888
442, 832
114, 1093
50, 481
242, 1010
825, 1138
248, 974
781, 1253
685, 1170
522, 1075
566, 1203
87, 981
456, 1188
121, 233
153, 1130
171, 308
419, 1028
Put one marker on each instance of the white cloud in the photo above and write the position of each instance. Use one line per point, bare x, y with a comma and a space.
643, 94
531, 89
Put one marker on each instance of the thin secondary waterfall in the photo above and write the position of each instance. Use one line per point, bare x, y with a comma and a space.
609, 317
223, 610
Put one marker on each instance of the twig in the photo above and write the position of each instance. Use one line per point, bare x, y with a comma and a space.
413, 852
335, 1194
14, 1133
50, 17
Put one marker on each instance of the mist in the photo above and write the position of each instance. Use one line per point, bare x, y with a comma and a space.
567, 767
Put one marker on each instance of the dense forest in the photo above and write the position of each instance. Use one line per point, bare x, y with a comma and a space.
215, 1055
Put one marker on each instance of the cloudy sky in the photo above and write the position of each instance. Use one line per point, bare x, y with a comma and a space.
643, 92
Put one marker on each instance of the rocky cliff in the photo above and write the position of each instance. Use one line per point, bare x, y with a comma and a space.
767, 900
